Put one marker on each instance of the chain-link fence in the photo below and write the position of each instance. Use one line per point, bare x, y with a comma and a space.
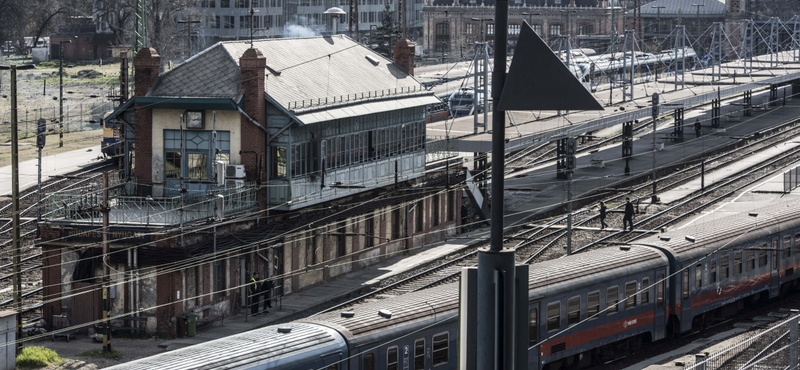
774, 348
83, 116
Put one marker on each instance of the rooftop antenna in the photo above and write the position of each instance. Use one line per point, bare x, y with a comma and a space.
252, 11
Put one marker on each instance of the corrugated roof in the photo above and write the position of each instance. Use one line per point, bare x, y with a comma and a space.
399, 102
316, 68
672, 8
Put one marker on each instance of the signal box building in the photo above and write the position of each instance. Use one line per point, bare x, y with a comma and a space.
291, 157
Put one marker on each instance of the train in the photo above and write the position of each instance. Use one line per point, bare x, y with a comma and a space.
583, 309
461, 101
597, 66
110, 145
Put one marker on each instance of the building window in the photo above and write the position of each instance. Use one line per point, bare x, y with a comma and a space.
396, 223
224, 3
441, 351
369, 231
537, 28
470, 28
490, 29
451, 206
197, 145
553, 316
172, 163
228, 21
278, 165
513, 29
555, 30
586, 29
244, 21
215, 22
612, 298
219, 278
442, 37
341, 239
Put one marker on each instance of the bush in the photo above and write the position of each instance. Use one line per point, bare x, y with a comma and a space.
37, 357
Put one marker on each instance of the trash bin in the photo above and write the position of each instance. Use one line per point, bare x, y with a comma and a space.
180, 325
192, 323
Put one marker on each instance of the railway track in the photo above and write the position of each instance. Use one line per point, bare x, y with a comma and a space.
31, 263
534, 243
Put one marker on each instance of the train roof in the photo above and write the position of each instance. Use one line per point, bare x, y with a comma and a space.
744, 228
269, 347
428, 305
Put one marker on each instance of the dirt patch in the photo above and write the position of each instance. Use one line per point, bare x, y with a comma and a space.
72, 141
131, 349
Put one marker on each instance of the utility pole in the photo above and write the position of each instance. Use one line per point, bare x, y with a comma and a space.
61, 91
698, 16
189, 31
15, 208
654, 198
106, 272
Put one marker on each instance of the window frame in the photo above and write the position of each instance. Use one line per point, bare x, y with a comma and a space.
698, 276
573, 314
396, 364
609, 310
644, 295
724, 268
533, 326
417, 356
630, 298
371, 357
556, 326
445, 350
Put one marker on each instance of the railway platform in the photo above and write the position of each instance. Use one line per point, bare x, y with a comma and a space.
52, 165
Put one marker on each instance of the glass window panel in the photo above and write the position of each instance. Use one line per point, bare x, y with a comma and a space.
630, 295
612, 298
724, 269
369, 361
645, 291
592, 305
391, 358
419, 354
698, 276
533, 328
441, 353
553, 316
197, 165
573, 311
172, 164
660, 290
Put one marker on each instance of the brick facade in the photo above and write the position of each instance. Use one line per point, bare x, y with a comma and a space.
147, 63
403, 52
252, 65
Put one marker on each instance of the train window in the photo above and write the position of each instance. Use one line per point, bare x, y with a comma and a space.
592, 305
645, 291
369, 361
795, 244
686, 283
660, 290
630, 295
573, 311
787, 246
724, 269
762, 257
391, 358
612, 298
751, 260
713, 275
441, 354
698, 276
554, 316
533, 328
419, 354
737, 263
774, 254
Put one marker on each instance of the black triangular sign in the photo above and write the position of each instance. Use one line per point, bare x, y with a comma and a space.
538, 80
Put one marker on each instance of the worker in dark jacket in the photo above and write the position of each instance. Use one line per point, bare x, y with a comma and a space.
602, 215
254, 292
267, 287
698, 130
628, 217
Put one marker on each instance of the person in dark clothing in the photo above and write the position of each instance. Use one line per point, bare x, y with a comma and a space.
628, 217
267, 287
602, 216
464, 217
697, 128
255, 293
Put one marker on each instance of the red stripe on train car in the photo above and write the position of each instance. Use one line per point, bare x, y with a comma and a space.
598, 332
729, 290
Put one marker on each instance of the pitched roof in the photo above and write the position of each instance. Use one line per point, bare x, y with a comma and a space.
672, 8
302, 73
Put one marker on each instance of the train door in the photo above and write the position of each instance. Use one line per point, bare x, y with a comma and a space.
661, 315
775, 281
533, 336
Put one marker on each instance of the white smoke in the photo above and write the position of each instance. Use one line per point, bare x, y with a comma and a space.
301, 28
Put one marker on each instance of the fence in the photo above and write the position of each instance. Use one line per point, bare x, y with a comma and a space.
77, 117
438, 148
774, 348
790, 179
84, 206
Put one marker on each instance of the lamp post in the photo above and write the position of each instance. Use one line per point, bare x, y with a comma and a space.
334, 13
698, 15
482, 20
530, 16
61, 91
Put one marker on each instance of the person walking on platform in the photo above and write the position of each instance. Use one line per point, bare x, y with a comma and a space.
628, 217
602, 215
698, 130
255, 293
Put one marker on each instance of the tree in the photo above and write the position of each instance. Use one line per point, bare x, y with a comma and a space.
386, 34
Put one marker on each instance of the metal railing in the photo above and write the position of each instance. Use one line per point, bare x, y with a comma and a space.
774, 348
791, 179
438, 148
84, 205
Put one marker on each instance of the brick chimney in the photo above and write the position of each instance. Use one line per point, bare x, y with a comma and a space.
252, 65
146, 65
404, 51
